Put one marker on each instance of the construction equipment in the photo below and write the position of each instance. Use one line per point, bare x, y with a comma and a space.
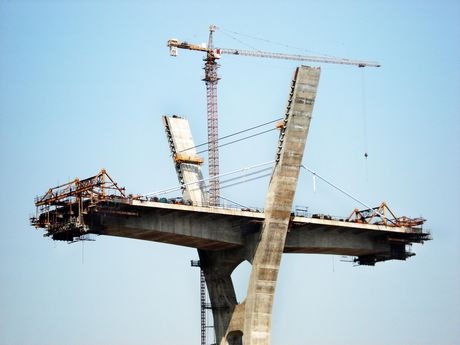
382, 215
62, 210
180, 158
95, 187
211, 79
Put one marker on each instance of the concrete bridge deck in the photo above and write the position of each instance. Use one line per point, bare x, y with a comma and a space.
219, 228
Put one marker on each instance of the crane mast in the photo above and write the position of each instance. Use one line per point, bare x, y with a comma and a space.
211, 79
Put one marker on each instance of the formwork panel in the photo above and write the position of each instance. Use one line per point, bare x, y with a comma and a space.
188, 169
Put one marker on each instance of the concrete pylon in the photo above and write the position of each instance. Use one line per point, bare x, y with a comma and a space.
186, 160
249, 322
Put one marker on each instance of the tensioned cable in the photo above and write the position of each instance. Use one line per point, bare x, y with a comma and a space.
222, 182
271, 42
238, 40
246, 175
240, 177
233, 134
314, 173
245, 181
233, 202
241, 139
167, 190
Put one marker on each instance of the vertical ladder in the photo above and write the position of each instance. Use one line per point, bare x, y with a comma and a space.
203, 304
203, 307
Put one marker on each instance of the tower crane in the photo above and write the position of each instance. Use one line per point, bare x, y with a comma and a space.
211, 79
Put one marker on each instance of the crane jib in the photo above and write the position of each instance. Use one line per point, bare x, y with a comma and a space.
322, 59
173, 43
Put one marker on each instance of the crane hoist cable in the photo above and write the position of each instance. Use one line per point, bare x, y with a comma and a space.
364, 114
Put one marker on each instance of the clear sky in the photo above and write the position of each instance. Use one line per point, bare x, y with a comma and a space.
83, 85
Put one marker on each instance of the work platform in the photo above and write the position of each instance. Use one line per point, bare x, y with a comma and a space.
220, 228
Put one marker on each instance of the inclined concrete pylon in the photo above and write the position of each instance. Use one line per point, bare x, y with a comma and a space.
278, 208
250, 321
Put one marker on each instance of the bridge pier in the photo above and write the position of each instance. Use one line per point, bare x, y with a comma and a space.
218, 267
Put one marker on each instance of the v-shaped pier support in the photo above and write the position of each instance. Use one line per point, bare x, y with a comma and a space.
249, 322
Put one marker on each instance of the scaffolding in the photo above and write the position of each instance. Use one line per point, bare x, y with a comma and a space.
62, 209
382, 215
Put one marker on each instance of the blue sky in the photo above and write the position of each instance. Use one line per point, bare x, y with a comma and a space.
83, 85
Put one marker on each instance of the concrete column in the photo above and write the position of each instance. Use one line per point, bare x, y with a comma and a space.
281, 191
218, 267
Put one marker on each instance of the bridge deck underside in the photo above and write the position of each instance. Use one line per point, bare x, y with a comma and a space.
219, 229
